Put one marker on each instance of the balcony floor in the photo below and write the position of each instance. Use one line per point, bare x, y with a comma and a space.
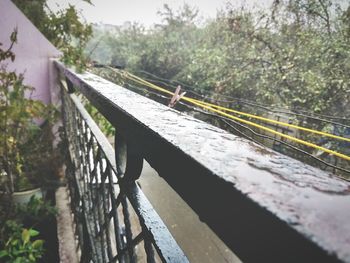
199, 243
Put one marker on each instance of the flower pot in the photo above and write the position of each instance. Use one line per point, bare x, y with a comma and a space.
23, 197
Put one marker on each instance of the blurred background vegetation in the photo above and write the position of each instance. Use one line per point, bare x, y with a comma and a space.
289, 61
294, 54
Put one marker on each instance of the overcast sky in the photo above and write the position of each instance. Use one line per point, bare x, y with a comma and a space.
117, 12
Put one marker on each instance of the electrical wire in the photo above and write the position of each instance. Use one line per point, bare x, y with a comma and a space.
166, 98
246, 102
227, 120
208, 107
234, 99
217, 107
251, 104
278, 122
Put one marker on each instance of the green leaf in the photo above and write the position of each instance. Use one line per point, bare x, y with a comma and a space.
13, 36
33, 233
25, 236
37, 244
3, 253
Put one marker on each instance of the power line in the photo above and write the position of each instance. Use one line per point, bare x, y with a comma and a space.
208, 107
251, 103
190, 89
254, 105
204, 105
227, 122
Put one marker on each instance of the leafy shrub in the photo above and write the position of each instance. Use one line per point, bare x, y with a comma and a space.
20, 247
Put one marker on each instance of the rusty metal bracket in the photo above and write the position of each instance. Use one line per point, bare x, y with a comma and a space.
128, 159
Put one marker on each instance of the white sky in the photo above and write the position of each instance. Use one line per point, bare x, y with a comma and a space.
117, 12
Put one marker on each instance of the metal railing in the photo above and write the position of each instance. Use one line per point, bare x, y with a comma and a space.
101, 193
265, 206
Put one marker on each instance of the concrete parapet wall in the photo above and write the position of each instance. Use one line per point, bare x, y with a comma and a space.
33, 51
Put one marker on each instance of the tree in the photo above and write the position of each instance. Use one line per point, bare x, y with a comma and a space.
63, 29
293, 55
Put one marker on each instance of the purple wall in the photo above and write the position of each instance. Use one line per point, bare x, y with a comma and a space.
33, 51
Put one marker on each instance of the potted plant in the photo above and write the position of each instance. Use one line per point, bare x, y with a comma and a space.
26, 151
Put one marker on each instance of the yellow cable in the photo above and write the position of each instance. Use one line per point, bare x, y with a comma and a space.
245, 114
343, 156
146, 83
274, 121
210, 108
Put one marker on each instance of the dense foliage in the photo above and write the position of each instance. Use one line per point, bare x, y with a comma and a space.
24, 163
294, 54
27, 156
64, 29
21, 239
